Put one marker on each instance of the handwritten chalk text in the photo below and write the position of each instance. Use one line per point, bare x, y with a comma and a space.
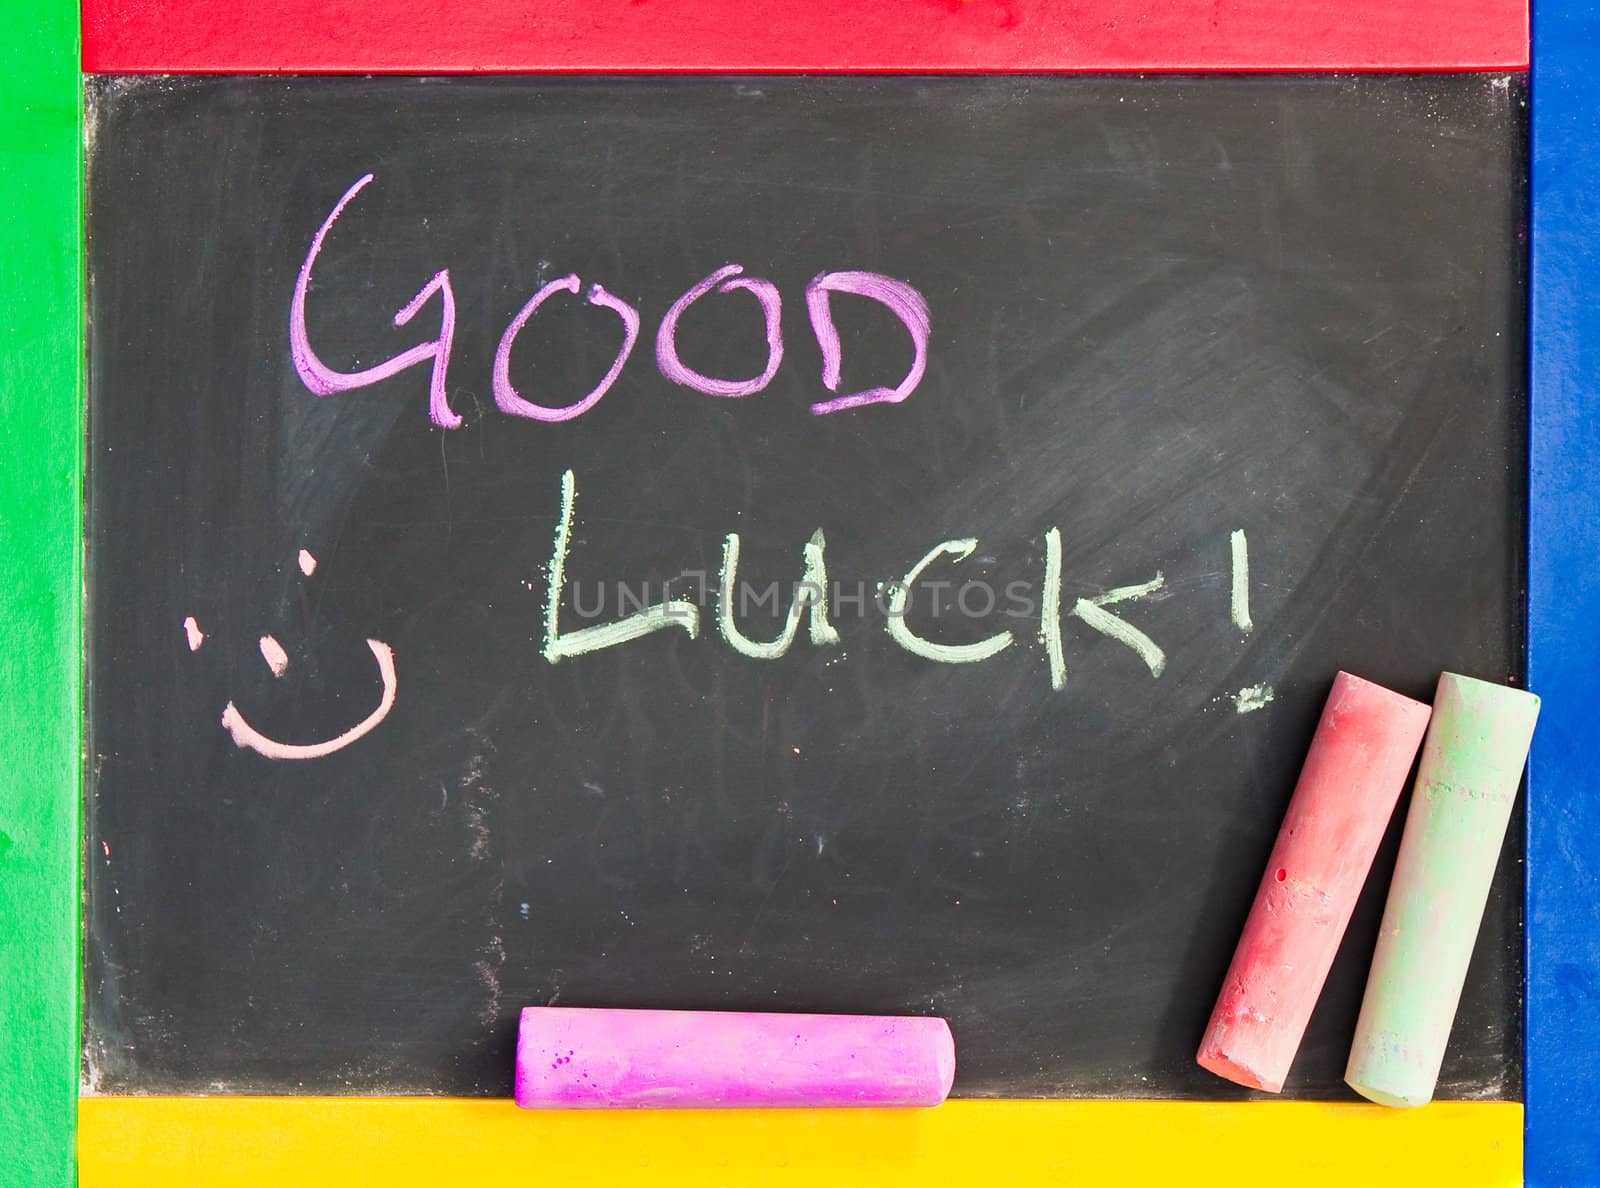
897, 296
814, 598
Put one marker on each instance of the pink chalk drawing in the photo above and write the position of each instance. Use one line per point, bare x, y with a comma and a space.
276, 657
898, 296
247, 737
507, 397
674, 368
324, 380
272, 652
901, 299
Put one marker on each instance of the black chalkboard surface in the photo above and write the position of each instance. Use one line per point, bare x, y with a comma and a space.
1159, 313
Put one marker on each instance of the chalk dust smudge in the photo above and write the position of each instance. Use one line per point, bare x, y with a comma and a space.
1252, 698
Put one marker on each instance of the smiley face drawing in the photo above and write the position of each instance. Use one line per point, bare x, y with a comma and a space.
246, 736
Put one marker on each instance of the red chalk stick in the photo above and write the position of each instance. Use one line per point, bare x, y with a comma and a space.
1346, 794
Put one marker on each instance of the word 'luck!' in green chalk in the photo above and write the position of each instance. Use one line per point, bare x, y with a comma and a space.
1471, 766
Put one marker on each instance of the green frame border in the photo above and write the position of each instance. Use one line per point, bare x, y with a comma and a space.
41, 596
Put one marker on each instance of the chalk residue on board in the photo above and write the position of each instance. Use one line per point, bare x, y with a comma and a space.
91, 1078
488, 971
475, 796
1251, 698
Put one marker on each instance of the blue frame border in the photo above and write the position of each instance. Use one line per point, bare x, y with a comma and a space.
1562, 930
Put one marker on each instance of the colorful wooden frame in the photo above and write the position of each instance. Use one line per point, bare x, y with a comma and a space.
802, 35
1561, 1067
41, 613
143, 1141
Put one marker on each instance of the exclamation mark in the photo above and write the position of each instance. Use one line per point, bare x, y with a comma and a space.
1241, 582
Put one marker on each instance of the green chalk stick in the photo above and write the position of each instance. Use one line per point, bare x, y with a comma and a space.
1467, 781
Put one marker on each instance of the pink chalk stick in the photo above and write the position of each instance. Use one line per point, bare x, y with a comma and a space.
575, 1058
1358, 763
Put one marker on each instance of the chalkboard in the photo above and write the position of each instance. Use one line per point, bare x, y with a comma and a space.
1108, 416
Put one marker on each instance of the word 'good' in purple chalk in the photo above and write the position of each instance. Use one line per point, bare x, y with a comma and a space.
575, 1058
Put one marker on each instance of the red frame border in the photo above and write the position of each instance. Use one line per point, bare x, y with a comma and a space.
452, 36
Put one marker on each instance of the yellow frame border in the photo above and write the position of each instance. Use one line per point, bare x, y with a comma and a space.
323, 1142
